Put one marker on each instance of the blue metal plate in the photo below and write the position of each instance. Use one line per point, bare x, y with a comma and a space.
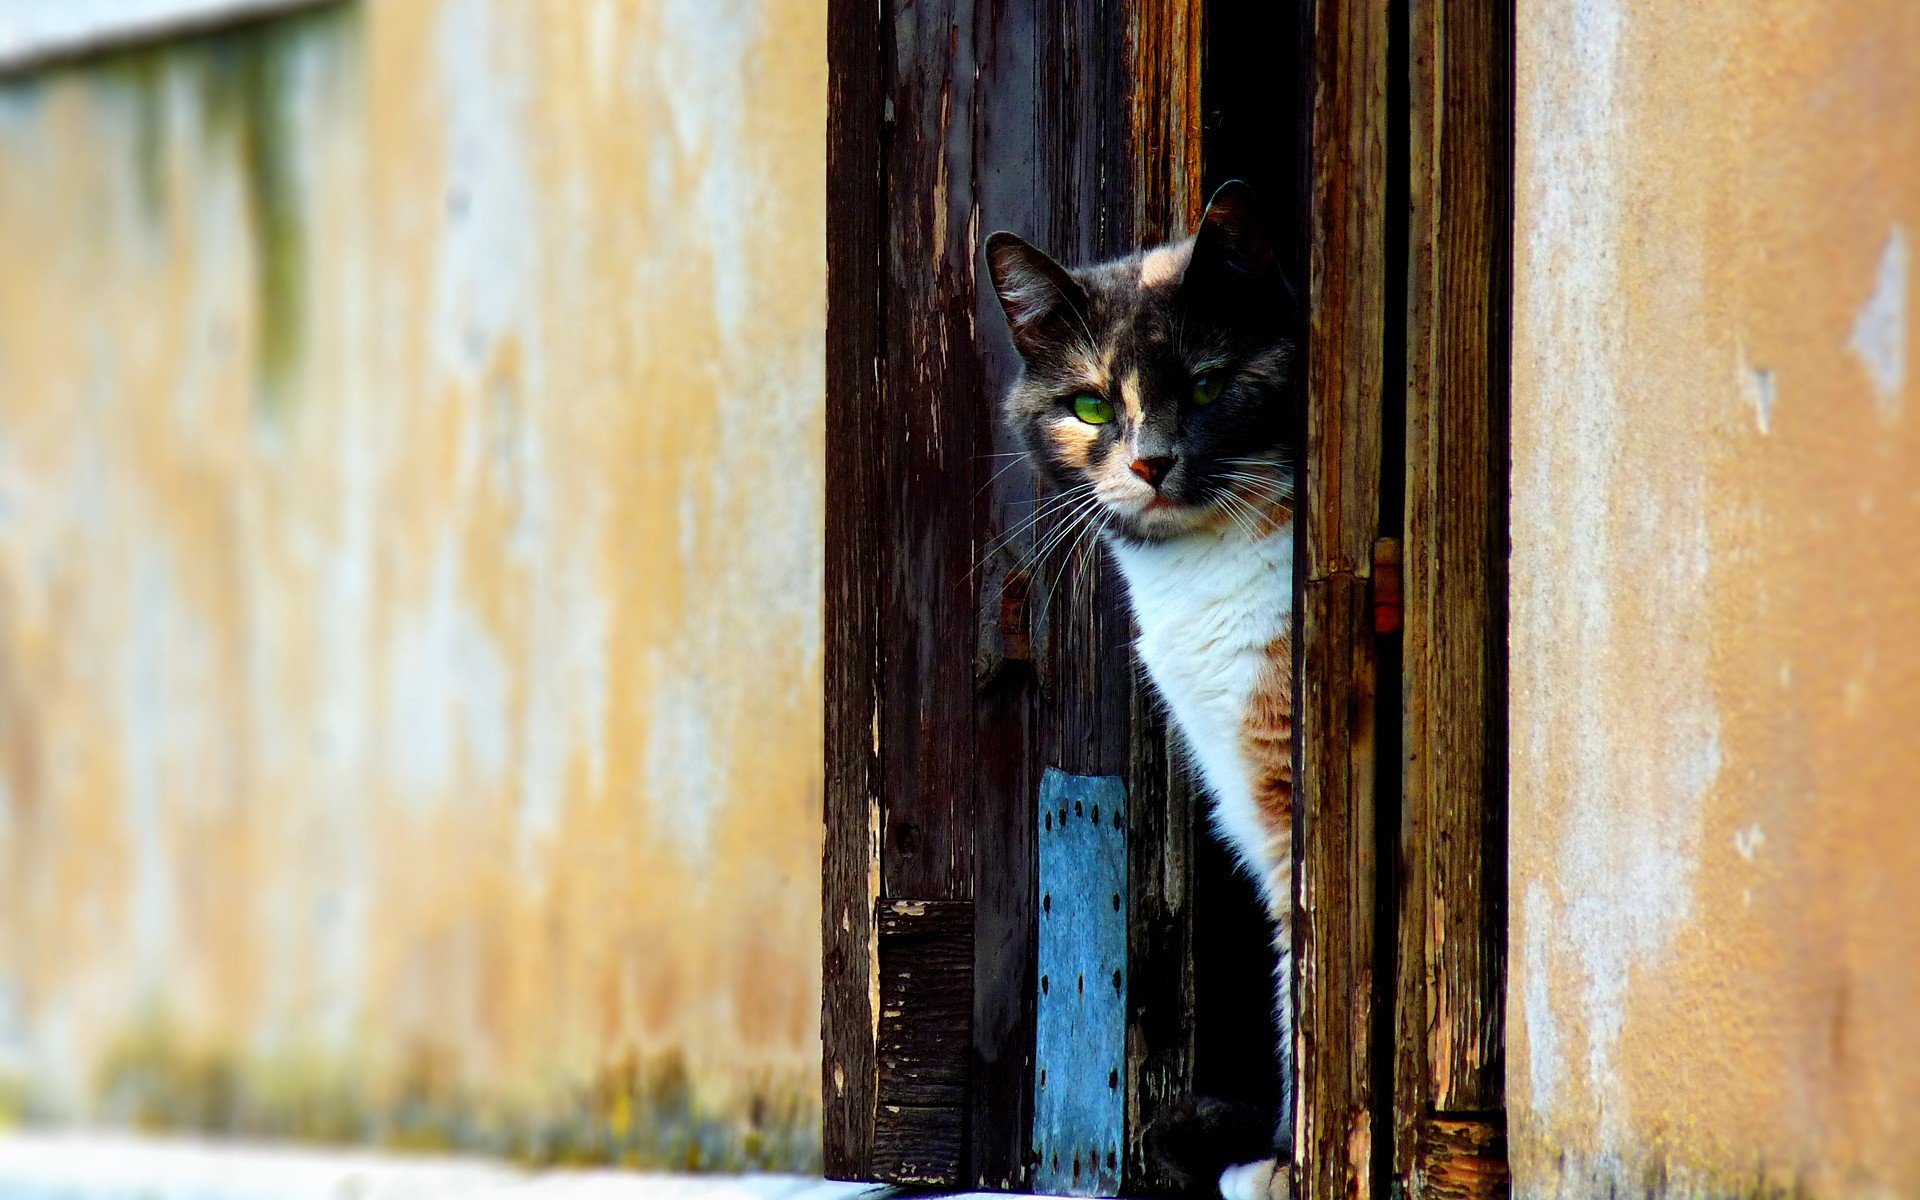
1079, 1067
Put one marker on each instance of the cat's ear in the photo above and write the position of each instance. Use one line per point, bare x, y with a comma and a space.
1231, 243
1032, 288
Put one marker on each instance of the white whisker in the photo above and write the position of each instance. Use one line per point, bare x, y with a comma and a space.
1066, 526
1046, 506
995, 477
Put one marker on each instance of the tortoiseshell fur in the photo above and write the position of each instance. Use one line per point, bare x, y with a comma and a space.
1194, 499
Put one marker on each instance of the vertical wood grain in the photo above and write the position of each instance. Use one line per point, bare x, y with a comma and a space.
855, 399
1452, 940
1165, 40
1161, 828
934, 431
1049, 128
1340, 520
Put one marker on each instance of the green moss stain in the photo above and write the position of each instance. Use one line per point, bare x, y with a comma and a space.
645, 1112
255, 94
259, 86
13, 1102
649, 1113
152, 1079
137, 79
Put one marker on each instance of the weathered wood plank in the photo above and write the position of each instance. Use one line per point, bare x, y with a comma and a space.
917, 1147
1007, 143
1334, 925
1340, 520
926, 1000
1079, 1110
1162, 823
1347, 269
1047, 117
1411, 985
932, 435
925, 951
1004, 885
1452, 928
1165, 41
854, 554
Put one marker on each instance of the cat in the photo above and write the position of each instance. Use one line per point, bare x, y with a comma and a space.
1156, 393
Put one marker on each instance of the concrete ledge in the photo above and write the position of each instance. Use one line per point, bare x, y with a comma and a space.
35, 31
115, 1166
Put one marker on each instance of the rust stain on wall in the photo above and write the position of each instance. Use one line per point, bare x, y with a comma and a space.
1716, 586
410, 474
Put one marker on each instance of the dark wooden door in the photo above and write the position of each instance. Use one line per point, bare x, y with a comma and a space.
959, 667
961, 664
969, 654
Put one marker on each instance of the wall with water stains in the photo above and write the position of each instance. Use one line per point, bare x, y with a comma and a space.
410, 506
1715, 655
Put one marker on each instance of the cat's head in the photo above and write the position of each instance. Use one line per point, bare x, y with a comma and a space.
1159, 382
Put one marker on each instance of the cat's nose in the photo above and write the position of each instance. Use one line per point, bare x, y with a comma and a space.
1154, 469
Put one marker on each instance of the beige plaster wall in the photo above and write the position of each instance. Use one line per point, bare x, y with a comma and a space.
410, 506
1716, 599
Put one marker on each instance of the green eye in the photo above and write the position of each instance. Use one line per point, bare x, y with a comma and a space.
1092, 409
1206, 388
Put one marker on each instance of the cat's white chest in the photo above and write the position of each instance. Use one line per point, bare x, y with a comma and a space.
1209, 609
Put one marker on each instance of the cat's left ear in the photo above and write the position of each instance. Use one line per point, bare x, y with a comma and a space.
1231, 243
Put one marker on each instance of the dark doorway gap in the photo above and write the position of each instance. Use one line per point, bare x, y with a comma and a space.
1256, 102
1389, 698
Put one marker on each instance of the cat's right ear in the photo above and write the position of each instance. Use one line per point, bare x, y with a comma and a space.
1033, 289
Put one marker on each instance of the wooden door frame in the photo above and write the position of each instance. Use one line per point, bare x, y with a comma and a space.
1450, 1065
1402, 929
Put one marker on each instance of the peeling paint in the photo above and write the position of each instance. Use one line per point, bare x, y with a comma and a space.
1626, 849
1546, 1061
1762, 390
1880, 331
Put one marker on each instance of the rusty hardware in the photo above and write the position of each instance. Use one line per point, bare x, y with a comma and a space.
1386, 586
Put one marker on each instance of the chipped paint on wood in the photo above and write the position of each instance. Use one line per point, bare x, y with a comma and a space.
1715, 574
410, 474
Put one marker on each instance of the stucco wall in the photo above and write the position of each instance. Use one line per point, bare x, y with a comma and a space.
410, 505
1716, 599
